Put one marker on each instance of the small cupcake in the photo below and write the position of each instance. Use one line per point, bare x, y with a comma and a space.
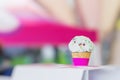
81, 48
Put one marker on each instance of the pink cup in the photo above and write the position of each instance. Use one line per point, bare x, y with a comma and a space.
80, 61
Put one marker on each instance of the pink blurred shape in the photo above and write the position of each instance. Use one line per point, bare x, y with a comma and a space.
38, 31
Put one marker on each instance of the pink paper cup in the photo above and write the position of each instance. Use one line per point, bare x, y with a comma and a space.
80, 61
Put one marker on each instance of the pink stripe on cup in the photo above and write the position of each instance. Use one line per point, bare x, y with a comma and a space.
80, 61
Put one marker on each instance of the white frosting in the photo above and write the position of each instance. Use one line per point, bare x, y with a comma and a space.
81, 44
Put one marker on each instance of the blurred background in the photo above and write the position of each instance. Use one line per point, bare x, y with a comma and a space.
38, 31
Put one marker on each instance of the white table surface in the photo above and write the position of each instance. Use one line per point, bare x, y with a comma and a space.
4, 78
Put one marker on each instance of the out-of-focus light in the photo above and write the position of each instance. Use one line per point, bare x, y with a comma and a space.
9, 3
8, 22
